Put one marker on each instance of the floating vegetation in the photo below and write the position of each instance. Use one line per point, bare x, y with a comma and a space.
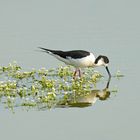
119, 74
49, 88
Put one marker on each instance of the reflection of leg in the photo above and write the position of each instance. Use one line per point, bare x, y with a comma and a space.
80, 74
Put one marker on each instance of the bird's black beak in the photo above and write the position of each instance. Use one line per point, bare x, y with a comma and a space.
108, 72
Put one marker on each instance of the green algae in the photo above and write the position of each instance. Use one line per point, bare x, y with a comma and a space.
45, 88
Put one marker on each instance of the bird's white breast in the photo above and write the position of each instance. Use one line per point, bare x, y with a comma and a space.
87, 61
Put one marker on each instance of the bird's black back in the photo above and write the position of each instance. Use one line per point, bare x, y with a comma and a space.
76, 54
65, 54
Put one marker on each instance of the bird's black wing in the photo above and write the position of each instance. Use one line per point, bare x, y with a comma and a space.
68, 54
77, 54
56, 52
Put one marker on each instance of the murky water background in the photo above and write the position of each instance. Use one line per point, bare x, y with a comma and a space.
104, 27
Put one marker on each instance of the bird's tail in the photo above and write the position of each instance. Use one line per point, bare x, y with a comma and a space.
46, 50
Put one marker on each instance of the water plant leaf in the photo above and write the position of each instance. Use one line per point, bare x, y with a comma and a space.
45, 88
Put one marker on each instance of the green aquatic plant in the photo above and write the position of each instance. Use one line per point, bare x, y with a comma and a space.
64, 72
22, 75
44, 87
29, 104
118, 74
46, 83
11, 67
96, 77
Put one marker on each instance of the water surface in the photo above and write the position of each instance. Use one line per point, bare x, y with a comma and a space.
103, 27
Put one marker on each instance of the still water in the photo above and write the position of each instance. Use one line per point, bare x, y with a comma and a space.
103, 27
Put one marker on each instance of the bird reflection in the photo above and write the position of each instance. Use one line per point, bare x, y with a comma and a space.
87, 99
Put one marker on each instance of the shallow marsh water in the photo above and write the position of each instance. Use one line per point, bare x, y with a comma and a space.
51, 87
103, 27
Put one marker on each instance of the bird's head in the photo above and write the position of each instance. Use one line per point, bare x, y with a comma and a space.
101, 60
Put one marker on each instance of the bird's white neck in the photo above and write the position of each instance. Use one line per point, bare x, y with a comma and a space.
100, 63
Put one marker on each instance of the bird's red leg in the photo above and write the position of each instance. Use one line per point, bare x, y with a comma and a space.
79, 72
74, 75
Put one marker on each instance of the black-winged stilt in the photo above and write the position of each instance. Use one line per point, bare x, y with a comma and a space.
79, 59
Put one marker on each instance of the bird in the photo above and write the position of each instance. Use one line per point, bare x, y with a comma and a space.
79, 59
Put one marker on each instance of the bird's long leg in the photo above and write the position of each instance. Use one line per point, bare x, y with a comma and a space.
108, 72
74, 75
80, 74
